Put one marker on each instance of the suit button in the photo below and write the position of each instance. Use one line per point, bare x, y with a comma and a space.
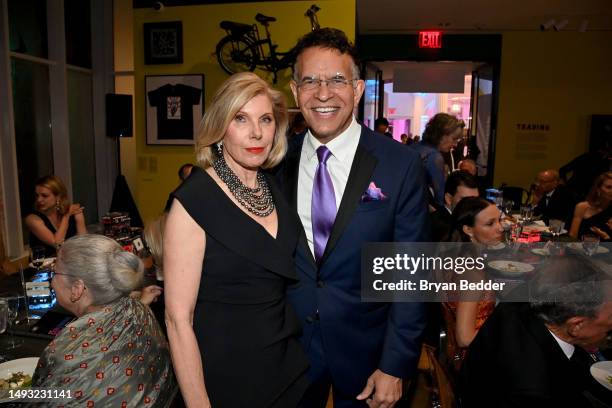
320, 283
309, 319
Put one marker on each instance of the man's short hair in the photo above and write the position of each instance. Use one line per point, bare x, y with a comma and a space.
329, 38
566, 287
459, 178
381, 121
181, 171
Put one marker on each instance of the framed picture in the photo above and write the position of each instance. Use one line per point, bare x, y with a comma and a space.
163, 43
174, 107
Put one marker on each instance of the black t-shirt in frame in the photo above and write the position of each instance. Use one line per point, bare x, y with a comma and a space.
174, 104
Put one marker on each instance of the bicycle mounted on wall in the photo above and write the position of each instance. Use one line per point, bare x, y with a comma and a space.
242, 49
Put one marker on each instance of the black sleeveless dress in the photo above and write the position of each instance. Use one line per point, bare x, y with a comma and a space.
246, 330
599, 220
50, 250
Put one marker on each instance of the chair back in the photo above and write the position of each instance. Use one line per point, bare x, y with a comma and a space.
454, 354
442, 393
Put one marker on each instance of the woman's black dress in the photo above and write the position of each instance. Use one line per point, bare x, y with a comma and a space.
246, 330
599, 220
50, 250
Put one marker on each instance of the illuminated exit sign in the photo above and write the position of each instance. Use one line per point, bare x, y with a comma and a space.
430, 39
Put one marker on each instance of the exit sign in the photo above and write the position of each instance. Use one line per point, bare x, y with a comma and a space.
430, 39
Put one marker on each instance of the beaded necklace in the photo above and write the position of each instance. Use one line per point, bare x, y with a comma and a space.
256, 200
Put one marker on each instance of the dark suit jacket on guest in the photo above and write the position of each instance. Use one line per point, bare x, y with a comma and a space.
514, 361
361, 337
560, 206
440, 221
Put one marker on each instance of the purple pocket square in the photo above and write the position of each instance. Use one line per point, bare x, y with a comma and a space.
373, 193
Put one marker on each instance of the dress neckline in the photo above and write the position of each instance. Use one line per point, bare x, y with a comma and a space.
244, 214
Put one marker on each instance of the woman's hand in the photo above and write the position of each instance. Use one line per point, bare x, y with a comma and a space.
148, 295
75, 209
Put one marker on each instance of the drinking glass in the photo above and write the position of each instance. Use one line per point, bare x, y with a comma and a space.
590, 242
3, 320
526, 213
38, 256
555, 227
508, 205
12, 312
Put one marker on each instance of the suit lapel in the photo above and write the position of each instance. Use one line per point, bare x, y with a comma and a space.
360, 176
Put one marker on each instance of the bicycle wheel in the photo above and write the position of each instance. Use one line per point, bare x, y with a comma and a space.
234, 54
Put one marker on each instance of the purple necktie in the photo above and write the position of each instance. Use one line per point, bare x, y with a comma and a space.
323, 209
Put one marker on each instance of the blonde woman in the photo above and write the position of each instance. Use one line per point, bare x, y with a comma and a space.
54, 219
228, 245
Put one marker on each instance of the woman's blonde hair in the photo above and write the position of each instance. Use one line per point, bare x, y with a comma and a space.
107, 270
57, 187
594, 196
233, 94
154, 237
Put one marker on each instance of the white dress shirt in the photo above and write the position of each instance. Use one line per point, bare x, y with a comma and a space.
342, 148
568, 349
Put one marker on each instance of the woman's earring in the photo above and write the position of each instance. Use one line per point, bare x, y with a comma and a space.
220, 148
57, 206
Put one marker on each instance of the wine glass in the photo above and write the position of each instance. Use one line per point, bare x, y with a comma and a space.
526, 213
555, 227
3, 319
508, 206
12, 307
590, 242
38, 256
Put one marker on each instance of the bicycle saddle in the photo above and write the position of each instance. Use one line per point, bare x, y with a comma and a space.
264, 19
235, 27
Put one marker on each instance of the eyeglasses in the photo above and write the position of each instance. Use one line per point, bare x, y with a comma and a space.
335, 83
53, 273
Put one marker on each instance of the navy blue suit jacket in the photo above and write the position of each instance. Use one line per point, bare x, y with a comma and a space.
361, 337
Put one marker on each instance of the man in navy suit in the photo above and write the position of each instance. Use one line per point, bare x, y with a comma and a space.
349, 186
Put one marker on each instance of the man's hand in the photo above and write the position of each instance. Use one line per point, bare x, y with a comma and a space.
387, 390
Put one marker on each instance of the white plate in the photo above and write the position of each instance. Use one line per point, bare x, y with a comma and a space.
497, 247
511, 267
577, 246
46, 262
601, 371
25, 365
541, 251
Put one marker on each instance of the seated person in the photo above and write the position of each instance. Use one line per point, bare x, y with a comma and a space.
54, 219
594, 214
474, 220
183, 173
536, 354
552, 200
458, 185
114, 352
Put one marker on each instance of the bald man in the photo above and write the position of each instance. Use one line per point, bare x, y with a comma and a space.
553, 200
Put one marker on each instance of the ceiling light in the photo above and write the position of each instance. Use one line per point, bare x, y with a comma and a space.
547, 25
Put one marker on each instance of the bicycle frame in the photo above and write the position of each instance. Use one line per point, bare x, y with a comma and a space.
253, 45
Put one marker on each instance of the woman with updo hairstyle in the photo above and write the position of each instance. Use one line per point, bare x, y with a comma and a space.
114, 353
477, 221
55, 219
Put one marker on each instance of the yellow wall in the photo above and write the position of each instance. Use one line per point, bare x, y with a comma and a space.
156, 166
554, 78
